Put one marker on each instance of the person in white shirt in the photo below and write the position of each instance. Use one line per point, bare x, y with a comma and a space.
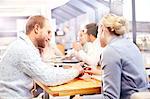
82, 44
21, 64
92, 55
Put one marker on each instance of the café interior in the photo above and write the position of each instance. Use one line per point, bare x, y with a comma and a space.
67, 18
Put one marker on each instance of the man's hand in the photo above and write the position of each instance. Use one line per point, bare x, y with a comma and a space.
91, 70
79, 68
77, 46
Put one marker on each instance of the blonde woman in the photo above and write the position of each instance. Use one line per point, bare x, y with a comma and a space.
121, 61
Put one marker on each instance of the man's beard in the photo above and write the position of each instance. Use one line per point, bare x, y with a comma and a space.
41, 43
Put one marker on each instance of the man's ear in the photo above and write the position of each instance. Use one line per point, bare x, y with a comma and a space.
36, 28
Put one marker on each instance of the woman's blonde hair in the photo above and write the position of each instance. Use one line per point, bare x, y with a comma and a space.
116, 24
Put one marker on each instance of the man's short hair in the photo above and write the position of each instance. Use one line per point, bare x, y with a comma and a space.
33, 20
92, 28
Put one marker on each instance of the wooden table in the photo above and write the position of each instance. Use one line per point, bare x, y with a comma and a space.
76, 86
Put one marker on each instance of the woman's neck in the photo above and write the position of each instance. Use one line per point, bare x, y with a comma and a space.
113, 38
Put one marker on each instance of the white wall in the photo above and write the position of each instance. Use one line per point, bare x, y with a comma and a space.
142, 10
12, 11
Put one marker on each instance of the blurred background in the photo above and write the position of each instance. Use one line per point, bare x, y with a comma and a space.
69, 16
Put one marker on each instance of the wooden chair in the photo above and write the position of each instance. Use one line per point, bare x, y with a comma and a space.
61, 48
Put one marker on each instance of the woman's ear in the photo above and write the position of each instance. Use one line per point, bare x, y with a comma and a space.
103, 32
106, 32
103, 37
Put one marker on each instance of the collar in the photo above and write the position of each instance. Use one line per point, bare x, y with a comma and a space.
27, 40
115, 38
